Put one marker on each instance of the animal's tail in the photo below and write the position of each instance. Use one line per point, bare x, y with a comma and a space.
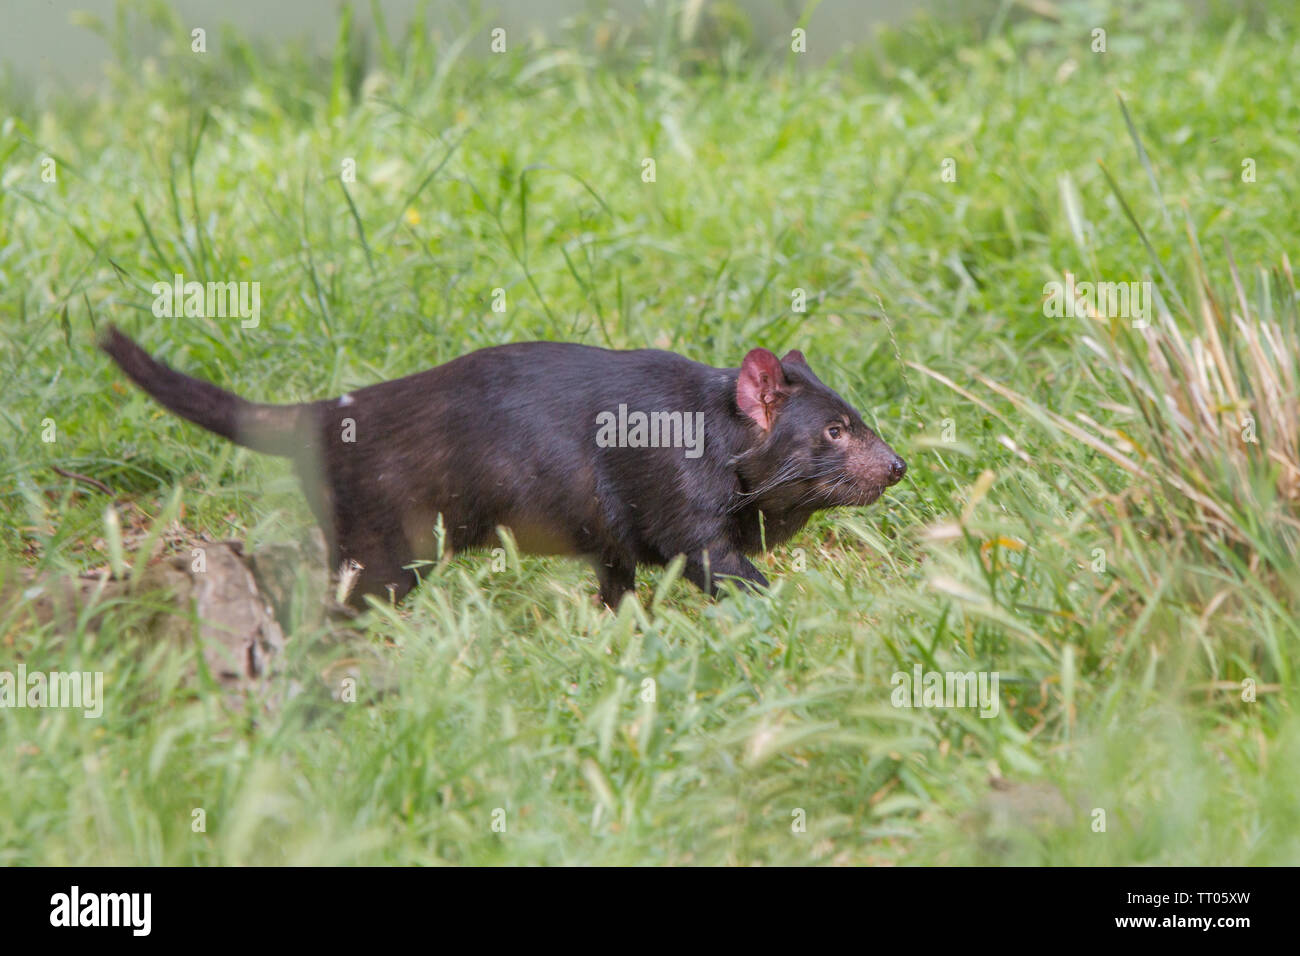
271, 429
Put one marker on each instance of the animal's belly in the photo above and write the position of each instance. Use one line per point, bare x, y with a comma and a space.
538, 536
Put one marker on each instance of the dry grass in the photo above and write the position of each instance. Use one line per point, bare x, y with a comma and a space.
1204, 406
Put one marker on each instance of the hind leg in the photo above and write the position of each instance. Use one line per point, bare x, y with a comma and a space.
722, 564
389, 582
376, 564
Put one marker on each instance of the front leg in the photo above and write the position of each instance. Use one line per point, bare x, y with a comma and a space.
617, 577
705, 569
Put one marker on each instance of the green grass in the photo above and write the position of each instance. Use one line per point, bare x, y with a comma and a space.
1120, 688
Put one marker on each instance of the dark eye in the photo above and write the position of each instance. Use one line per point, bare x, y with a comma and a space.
834, 432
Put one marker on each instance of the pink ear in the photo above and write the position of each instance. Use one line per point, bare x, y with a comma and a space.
761, 387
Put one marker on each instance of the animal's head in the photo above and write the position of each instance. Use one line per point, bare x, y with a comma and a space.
810, 448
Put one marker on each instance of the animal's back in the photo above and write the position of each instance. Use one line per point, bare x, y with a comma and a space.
508, 436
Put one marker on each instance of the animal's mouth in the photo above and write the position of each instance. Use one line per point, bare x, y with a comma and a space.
869, 496
858, 496
817, 492
844, 494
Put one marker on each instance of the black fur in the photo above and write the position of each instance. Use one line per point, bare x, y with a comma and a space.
507, 436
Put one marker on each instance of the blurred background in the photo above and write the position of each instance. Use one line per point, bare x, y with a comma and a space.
38, 45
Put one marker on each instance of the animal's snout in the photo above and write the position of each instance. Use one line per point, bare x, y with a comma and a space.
897, 469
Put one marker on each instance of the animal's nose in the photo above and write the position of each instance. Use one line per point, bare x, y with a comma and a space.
897, 470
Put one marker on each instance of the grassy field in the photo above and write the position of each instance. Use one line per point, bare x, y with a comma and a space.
1085, 512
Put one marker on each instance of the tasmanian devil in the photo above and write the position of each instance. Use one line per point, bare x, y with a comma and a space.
624, 458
